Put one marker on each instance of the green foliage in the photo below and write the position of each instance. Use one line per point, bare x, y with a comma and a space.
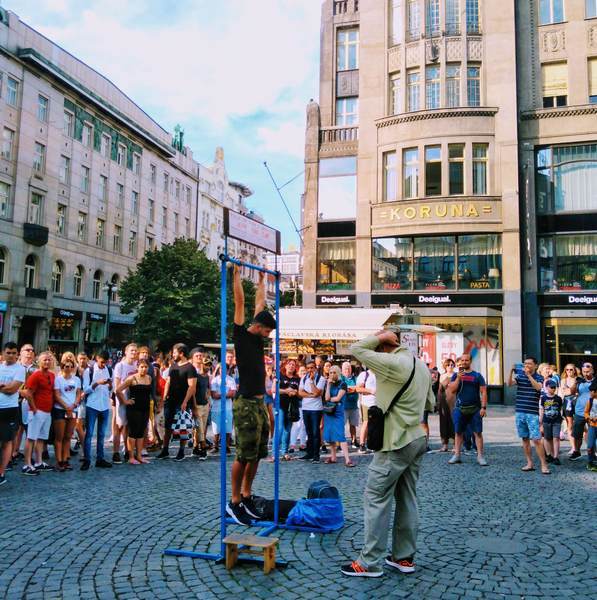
287, 298
175, 294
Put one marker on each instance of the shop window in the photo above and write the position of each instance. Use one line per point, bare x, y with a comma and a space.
433, 171
410, 167
479, 262
551, 11
336, 265
347, 49
566, 179
337, 195
390, 182
392, 263
78, 281
64, 328
434, 263
57, 277
570, 341
456, 168
568, 263
97, 285
3, 266
554, 84
480, 171
30, 279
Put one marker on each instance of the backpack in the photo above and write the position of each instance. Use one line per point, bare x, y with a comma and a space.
322, 489
305, 377
91, 370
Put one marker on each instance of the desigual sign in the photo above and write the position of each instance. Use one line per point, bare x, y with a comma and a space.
402, 214
578, 300
336, 299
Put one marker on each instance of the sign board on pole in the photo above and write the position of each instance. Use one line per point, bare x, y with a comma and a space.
252, 232
410, 340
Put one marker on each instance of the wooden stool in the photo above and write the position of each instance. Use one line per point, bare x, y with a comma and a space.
266, 545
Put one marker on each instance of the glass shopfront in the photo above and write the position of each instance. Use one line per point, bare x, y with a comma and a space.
428, 263
64, 330
570, 340
336, 265
96, 329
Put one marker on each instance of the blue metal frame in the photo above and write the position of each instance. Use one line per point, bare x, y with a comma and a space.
267, 527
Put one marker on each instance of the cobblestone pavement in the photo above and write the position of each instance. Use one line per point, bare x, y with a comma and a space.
485, 533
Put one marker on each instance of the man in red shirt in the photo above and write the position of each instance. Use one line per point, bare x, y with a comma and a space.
40, 393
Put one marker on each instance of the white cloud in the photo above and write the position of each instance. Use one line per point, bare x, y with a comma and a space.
288, 138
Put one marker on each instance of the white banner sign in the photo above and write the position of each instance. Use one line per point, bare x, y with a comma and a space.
448, 345
247, 230
410, 340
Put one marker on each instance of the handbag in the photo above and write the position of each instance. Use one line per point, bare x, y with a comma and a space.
182, 427
294, 413
376, 417
329, 408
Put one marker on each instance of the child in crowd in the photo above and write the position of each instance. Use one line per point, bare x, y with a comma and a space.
550, 418
591, 417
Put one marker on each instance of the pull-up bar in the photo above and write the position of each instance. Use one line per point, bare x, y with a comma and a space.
240, 263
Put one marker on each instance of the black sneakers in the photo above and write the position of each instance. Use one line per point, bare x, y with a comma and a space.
85, 465
250, 507
103, 464
238, 513
574, 456
116, 459
180, 455
163, 454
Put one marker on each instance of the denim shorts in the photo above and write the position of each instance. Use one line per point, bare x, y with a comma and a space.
462, 421
527, 426
551, 430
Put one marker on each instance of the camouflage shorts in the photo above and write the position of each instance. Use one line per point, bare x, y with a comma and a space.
251, 428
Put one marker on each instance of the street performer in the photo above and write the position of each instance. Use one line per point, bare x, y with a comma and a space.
251, 420
394, 470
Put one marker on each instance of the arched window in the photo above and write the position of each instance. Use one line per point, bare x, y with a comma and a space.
97, 284
57, 277
78, 280
114, 293
3, 266
30, 271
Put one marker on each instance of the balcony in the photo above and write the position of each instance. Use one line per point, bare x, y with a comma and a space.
37, 293
339, 140
36, 235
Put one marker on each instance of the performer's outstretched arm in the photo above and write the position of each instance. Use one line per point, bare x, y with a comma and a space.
239, 298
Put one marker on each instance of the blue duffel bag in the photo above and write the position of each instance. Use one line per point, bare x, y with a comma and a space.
321, 513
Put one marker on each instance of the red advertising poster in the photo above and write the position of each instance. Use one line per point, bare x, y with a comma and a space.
428, 349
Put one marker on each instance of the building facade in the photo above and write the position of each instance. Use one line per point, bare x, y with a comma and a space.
411, 174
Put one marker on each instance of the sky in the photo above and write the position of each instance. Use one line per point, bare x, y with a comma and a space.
232, 73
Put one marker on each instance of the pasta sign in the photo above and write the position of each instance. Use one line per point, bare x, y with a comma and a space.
250, 231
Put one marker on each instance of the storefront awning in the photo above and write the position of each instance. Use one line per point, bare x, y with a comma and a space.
349, 324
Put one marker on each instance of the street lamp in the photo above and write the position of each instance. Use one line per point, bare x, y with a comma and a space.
110, 287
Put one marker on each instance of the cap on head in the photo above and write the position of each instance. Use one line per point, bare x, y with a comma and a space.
550, 383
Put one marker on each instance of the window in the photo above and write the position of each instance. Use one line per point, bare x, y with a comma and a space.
337, 196
591, 9
472, 16
3, 266
434, 263
479, 262
187, 227
115, 283
395, 94
551, 11
57, 276
347, 111
432, 18
164, 219
568, 263
392, 264
166, 183
473, 86
42, 108
69, 120
39, 157
175, 223
432, 89
177, 190
480, 159
390, 181
84, 179
117, 239
453, 85
8, 140
188, 192
4, 200
133, 243
336, 265
555, 84
347, 49
87, 136
410, 166
97, 285
453, 17
135, 202
136, 164
64, 175
36, 207
433, 171
121, 155
12, 91
149, 243
151, 211
566, 180
78, 281
413, 20
100, 233
103, 188
456, 168
152, 171
61, 220
105, 145
120, 195
30, 272
396, 22
412, 81
592, 63
82, 227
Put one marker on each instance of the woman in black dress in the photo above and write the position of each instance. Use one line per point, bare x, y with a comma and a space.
445, 405
137, 409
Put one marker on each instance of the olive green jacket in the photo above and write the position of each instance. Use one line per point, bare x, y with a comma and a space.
392, 370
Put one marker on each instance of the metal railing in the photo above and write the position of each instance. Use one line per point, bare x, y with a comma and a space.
331, 135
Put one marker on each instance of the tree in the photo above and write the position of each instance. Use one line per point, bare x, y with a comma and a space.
175, 294
287, 298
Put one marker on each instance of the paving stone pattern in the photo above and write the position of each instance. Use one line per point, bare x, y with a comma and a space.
485, 533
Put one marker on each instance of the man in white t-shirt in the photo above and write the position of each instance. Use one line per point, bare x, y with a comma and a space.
126, 367
366, 387
216, 410
12, 377
311, 390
